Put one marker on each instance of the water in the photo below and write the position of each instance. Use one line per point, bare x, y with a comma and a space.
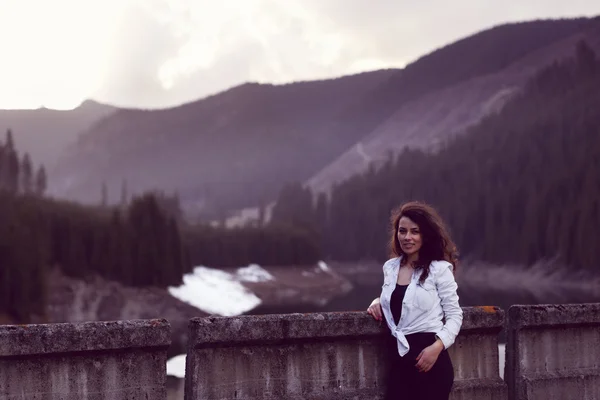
478, 285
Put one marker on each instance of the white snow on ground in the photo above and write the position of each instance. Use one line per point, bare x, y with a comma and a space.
217, 292
323, 266
501, 358
319, 269
254, 273
176, 366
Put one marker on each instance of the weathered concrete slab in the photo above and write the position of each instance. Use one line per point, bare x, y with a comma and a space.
84, 361
553, 352
323, 356
475, 355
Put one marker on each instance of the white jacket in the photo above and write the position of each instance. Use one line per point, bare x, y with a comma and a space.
423, 306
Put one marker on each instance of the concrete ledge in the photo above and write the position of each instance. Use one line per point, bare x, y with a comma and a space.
22, 340
336, 355
332, 325
546, 315
488, 318
121, 360
278, 327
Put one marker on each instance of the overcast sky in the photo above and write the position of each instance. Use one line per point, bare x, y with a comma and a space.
159, 53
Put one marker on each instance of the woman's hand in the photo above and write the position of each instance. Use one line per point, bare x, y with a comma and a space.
429, 356
375, 310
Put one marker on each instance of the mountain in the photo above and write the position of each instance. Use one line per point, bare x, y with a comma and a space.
45, 133
237, 148
234, 148
431, 120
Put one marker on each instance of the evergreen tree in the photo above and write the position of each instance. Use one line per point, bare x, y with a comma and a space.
13, 171
26, 175
9, 142
9, 165
3, 167
586, 58
294, 206
40, 181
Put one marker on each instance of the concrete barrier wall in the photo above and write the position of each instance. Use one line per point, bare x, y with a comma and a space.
324, 356
84, 361
475, 356
553, 352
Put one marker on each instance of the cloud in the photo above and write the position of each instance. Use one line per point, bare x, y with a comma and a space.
158, 53
170, 52
140, 44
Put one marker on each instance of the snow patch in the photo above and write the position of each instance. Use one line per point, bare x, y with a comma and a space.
176, 366
254, 273
501, 358
323, 266
216, 292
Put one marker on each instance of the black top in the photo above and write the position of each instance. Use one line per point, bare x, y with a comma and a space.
396, 301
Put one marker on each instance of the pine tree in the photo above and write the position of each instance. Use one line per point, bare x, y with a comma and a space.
3, 167
586, 58
13, 170
26, 175
9, 143
40, 181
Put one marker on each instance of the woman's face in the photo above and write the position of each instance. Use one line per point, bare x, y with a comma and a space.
409, 236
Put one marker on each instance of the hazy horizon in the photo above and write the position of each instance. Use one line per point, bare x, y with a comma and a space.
162, 53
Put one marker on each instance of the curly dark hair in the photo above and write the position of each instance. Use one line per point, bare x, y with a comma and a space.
437, 244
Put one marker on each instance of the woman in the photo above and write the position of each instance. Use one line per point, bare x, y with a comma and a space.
418, 293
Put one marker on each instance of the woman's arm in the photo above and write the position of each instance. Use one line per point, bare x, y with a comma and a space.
375, 309
447, 290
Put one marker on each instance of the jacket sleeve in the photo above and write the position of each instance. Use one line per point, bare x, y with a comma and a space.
447, 290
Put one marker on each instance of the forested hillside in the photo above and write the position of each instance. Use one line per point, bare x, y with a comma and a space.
482, 87
17, 173
522, 185
138, 247
139, 243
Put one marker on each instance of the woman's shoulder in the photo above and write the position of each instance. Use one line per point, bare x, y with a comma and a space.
390, 263
440, 265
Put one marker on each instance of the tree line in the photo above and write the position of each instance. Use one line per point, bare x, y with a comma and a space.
269, 245
522, 185
17, 175
143, 241
138, 246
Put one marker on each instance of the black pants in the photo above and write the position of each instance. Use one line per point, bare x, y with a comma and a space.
405, 382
